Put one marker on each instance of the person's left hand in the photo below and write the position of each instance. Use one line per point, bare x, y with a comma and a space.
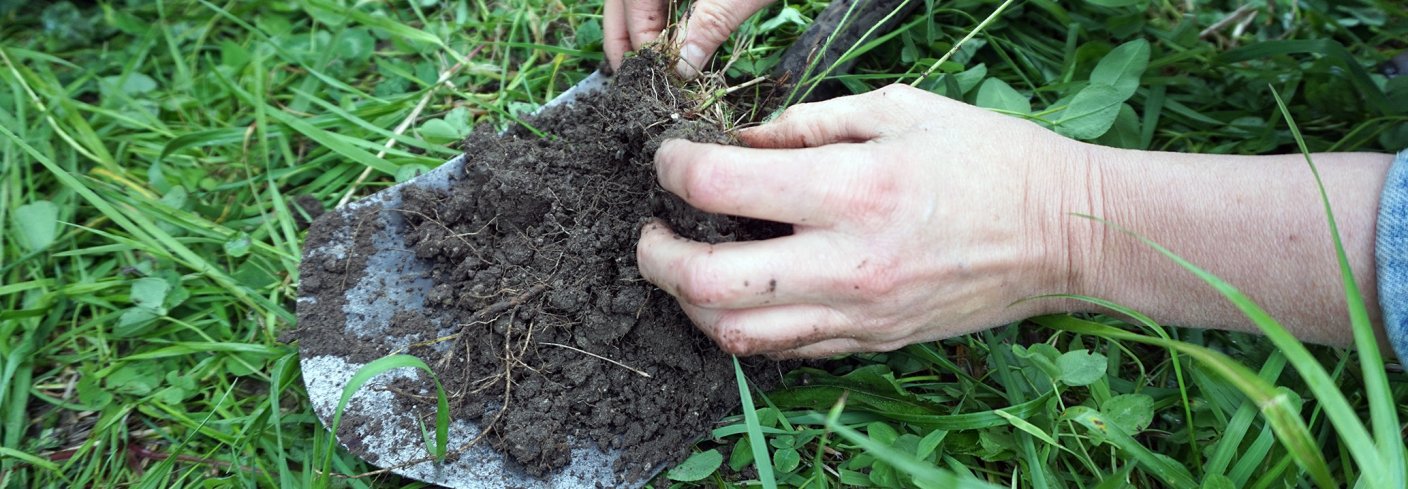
630, 24
916, 218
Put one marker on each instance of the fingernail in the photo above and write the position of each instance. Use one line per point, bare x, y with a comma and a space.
691, 59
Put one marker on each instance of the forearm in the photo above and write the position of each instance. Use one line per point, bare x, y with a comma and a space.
1255, 221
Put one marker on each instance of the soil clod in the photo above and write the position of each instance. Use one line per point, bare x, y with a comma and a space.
555, 337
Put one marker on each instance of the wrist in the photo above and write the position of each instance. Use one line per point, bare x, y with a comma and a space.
1072, 191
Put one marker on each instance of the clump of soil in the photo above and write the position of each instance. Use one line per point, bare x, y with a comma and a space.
533, 258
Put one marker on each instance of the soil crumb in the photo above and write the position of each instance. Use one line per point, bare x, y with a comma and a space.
532, 253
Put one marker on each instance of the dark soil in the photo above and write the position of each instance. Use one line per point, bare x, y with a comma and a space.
533, 253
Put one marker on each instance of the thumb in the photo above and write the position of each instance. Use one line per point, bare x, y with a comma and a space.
707, 26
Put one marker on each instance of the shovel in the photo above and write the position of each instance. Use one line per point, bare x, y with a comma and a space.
393, 281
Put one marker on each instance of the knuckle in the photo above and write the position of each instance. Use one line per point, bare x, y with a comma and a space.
871, 204
701, 284
705, 184
713, 21
799, 111
735, 339
877, 282
804, 126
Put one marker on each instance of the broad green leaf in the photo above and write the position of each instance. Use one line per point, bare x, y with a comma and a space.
788, 15
149, 292
408, 172
1132, 412
136, 378
930, 443
786, 460
588, 34
439, 131
742, 454
997, 94
238, 245
1162, 468
133, 84
969, 78
1124, 133
90, 392
176, 198
1122, 68
233, 55
1081, 367
134, 321
697, 466
355, 44
882, 432
1042, 355
1091, 112
925, 474
36, 224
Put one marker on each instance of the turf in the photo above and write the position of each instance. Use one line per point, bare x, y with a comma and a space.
158, 159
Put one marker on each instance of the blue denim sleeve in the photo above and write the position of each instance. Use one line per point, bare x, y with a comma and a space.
1391, 255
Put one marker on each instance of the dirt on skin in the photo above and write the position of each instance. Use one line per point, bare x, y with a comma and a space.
533, 255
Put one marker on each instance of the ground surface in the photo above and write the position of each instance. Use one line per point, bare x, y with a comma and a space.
158, 161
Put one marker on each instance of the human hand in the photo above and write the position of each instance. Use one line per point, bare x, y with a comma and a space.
916, 218
630, 24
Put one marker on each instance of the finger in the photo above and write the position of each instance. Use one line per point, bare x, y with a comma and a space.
771, 329
821, 349
616, 39
707, 26
796, 269
851, 119
842, 346
644, 20
807, 186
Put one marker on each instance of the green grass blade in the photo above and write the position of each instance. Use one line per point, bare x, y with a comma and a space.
30, 459
1158, 330
139, 225
382, 365
1324, 388
1382, 407
924, 474
1230, 445
1163, 468
391, 26
1329, 48
1000, 353
762, 460
1275, 406
1029, 428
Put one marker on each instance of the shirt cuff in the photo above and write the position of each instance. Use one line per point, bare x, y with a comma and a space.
1391, 255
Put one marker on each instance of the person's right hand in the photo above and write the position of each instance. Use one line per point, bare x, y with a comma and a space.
916, 217
630, 24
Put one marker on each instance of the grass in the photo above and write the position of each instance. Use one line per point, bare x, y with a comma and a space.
151, 156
